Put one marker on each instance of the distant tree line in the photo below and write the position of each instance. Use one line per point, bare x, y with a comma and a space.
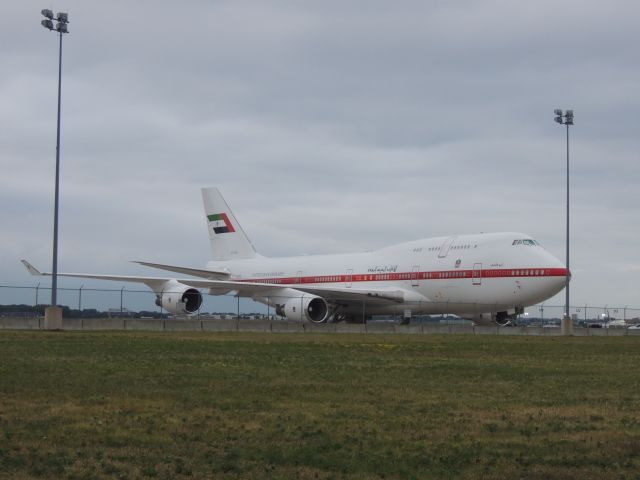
23, 310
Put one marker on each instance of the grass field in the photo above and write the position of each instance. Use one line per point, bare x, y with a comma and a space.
232, 405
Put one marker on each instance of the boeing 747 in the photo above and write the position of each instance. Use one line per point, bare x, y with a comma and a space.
487, 278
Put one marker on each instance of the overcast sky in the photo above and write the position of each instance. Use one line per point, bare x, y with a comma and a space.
329, 126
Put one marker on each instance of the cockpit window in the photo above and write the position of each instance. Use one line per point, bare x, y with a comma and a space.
525, 241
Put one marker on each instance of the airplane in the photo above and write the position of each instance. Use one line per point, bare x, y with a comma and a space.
488, 278
615, 323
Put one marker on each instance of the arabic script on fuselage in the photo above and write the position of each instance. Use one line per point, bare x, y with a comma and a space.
382, 269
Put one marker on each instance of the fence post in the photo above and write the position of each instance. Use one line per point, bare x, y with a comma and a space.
36, 307
364, 319
585, 315
447, 308
121, 293
80, 298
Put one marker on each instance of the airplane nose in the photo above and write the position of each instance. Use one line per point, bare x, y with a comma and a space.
559, 281
556, 272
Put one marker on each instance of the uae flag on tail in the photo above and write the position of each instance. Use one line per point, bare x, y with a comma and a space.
221, 223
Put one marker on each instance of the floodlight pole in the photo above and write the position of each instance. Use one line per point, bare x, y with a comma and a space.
61, 27
566, 281
54, 281
566, 118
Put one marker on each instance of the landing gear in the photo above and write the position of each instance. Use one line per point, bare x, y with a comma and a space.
338, 317
343, 317
406, 317
505, 320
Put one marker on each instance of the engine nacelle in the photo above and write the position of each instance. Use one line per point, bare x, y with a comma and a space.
307, 307
178, 298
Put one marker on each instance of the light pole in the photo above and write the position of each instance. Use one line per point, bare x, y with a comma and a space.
566, 118
62, 19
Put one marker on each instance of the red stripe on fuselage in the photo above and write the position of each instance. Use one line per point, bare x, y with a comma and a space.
408, 276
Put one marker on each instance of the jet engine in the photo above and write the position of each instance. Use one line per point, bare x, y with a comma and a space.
178, 298
307, 307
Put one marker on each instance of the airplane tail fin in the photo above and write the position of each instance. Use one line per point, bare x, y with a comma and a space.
228, 240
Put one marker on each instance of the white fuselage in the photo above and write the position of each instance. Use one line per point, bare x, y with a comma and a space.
466, 274
483, 277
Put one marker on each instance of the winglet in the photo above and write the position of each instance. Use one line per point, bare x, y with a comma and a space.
32, 270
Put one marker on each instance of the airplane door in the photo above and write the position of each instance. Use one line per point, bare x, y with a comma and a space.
476, 277
414, 275
444, 249
348, 278
299, 276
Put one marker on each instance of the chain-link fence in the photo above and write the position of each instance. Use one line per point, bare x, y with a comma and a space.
81, 302
23, 301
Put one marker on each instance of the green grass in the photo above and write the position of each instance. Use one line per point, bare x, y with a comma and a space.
174, 405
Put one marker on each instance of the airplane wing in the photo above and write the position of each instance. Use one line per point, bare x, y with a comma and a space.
151, 282
250, 289
328, 293
196, 272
